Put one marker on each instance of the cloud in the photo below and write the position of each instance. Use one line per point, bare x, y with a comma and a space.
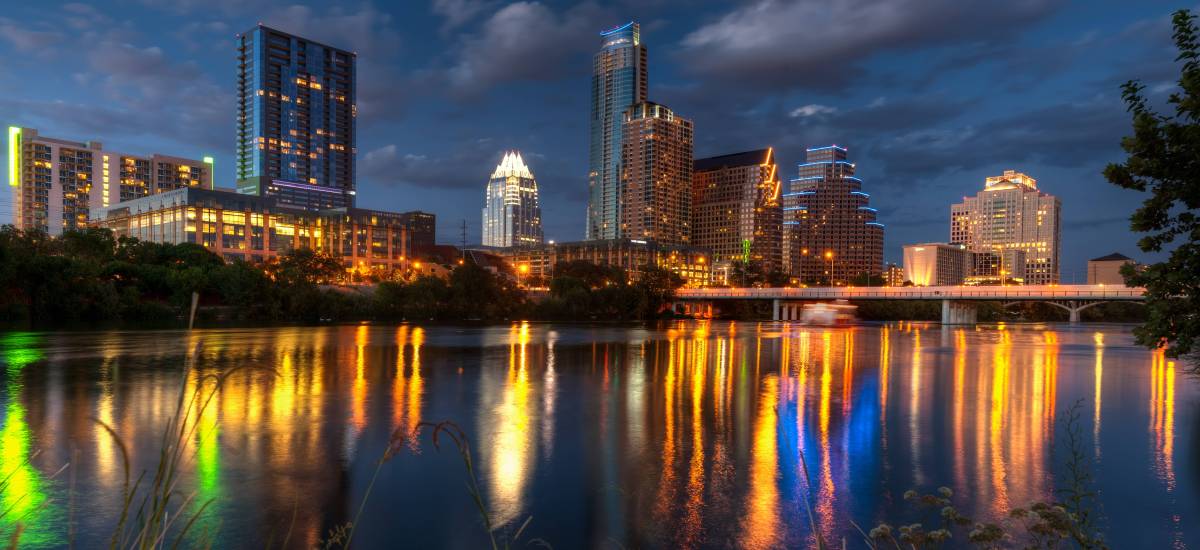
1064, 135
458, 12
822, 45
25, 39
367, 32
811, 109
463, 167
523, 41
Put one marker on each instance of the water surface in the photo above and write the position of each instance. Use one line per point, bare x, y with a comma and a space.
687, 435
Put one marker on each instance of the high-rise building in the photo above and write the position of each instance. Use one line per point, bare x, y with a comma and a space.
830, 234
296, 120
511, 215
618, 82
893, 275
656, 175
55, 184
1012, 213
735, 209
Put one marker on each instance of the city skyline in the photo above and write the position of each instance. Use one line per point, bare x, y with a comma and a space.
401, 166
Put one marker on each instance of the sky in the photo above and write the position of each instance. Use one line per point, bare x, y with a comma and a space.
930, 96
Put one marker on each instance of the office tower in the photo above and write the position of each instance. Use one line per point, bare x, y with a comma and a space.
618, 82
893, 275
1011, 213
296, 111
511, 215
735, 209
830, 235
55, 184
656, 175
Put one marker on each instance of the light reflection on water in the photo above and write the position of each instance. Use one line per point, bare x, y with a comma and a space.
693, 435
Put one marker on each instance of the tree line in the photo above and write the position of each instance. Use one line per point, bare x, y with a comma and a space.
88, 276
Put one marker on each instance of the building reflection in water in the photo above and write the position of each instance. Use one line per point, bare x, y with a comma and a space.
697, 435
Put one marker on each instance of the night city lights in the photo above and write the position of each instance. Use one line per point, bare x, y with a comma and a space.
470, 273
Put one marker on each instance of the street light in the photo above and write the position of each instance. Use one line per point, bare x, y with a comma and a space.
522, 270
829, 256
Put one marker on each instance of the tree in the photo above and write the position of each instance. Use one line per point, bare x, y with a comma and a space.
1164, 159
306, 266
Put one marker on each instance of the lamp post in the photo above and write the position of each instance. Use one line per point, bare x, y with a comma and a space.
804, 262
829, 256
522, 270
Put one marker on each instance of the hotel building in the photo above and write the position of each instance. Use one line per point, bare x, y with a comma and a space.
511, 215
296, 120
691, 263
618, 82
830, 234
1011, 213
656, 175
56, 184
736, 211
236, 226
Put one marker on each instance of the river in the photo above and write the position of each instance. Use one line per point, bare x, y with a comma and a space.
688, 434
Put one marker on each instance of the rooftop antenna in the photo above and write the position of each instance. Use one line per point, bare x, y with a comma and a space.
463, 238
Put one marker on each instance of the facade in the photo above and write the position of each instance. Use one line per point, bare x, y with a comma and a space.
422, 230
1012, 213
735, 209
56, 184
997, 267
693, 264
893, 275
830, 234
1106, 270
656, 175
511, 215
255, 229
937, 264
296, 120
618, 81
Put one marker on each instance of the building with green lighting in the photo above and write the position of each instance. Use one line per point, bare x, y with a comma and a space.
736, 210
56, 184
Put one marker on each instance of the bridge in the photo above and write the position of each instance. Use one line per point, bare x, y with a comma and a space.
958, 302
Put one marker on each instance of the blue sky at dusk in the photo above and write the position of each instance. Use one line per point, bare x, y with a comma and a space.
929, 96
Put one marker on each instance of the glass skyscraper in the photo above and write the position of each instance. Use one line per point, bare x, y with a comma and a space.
296, 111
618, 82
511, 215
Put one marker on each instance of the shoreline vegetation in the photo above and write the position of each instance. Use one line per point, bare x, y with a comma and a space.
88, 278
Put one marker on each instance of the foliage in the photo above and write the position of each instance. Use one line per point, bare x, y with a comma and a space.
583, 291
1164, 159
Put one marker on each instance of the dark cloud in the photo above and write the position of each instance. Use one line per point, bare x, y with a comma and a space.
1066, 135
523, 41
458, 12
822, 45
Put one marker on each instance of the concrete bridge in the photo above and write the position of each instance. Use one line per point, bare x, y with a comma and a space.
958, 302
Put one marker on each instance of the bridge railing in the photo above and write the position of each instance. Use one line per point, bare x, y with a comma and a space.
999, 293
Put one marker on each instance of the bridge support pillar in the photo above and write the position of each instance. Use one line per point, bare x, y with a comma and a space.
955, 312
775, 309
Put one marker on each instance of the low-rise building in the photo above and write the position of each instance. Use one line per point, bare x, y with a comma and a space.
937, 264
245, 227
1106, 270
893, 275
691, 263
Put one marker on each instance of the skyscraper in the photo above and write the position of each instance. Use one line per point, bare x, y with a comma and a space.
735, 209
656, 175
296, 112
829, 230
58, 184
1012, 213
618, 81
511, 215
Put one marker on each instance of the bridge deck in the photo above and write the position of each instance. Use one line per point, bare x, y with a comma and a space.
994, 293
